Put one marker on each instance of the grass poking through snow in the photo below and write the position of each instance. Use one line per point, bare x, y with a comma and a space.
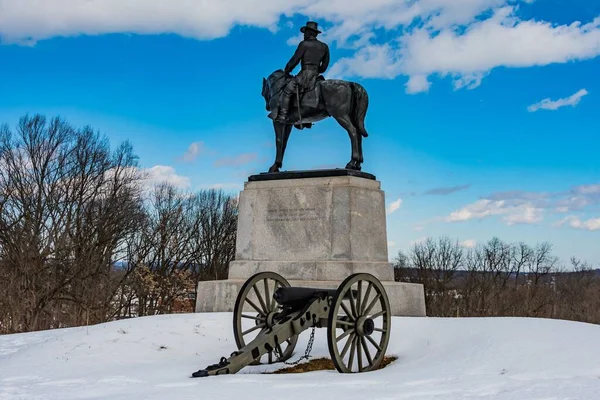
321, 364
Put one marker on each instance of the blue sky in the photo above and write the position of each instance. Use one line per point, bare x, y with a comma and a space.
483, 114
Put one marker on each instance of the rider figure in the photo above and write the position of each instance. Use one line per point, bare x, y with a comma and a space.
314, 57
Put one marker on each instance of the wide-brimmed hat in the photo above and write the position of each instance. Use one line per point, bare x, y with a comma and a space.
310, 25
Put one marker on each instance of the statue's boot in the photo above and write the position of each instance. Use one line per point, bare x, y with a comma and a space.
284, 106
282, 116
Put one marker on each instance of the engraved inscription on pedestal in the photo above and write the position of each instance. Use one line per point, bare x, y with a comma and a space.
292, 224
334, 219
292, 214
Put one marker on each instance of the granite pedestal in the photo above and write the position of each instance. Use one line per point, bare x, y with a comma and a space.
314, 228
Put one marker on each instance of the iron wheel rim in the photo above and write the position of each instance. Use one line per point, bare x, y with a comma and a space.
262, 285
359, 298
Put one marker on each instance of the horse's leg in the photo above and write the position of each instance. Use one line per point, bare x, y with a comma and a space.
346, 123
360, 152
287, 130
279, 145
282, 134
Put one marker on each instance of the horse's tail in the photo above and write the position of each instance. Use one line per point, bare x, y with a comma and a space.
359, 109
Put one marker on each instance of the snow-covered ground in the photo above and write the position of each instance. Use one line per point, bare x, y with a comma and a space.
153, 357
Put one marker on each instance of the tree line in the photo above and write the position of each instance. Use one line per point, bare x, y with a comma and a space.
497, 278
85, 239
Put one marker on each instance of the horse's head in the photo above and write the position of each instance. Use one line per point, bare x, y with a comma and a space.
272, 85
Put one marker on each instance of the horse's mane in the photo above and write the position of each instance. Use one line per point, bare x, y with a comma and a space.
276, 81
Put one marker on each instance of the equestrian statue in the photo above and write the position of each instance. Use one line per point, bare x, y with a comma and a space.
299, 101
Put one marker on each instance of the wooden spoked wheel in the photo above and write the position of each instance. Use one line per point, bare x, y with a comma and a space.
359, 324
254, 313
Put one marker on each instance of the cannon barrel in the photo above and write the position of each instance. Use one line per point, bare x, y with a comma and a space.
297, 297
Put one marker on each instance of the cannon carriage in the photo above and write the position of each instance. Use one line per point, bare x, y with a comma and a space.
269, 315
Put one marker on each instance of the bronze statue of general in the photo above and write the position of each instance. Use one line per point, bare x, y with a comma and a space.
299, 101
313, 57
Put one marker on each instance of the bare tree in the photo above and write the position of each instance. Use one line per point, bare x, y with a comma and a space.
403, 271
186, 237
218, 224
67, 203
576, 293
539, 267
169, 234
497, 278
436, 263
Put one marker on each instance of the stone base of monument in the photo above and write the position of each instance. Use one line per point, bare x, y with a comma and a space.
314, 228
406, 299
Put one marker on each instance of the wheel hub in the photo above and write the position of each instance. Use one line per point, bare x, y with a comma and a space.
364, 326
368, 326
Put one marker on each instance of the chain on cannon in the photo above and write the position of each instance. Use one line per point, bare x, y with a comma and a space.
306, 355
357, 317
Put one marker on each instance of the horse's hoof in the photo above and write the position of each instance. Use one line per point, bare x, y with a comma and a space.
273, 169
353, 165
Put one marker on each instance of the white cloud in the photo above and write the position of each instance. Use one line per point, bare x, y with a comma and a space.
469, 81
513, 212
519, 207
372, 61
468, 55
391, 243
469, 243
523, 214
578, 198
164, 174
501, 40
417, 84
295, 40
479, 209
588, 189
592, 224
462, 39
31, 20
574, 202
193, 151
548, 104
394, 206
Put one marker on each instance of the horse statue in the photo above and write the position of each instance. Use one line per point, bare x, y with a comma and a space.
346, 102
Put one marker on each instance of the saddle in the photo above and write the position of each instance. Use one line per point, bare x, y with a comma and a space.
309, 97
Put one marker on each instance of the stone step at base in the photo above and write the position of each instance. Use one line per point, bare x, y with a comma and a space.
406, 299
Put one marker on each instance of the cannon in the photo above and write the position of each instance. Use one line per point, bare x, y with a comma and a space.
269, 315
